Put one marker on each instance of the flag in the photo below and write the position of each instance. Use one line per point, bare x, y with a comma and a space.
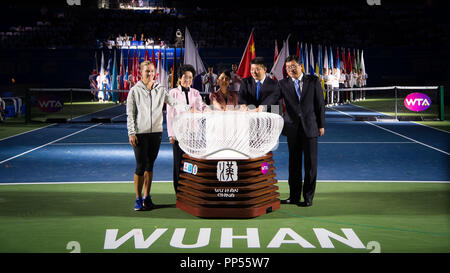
276, 52
108, 77
166, 70
158, 67
102, 64
311, 60
279, 65
298, 50
249, 54
161, 69
358, 61
138, 65
349, 62
325, 61
337, 59
307, 59
320, 60
320, 70
114, 73
146, 57
115, 95
302, 57
125, 76
331, 64
153, 56
134, 70
363, 67
120, 84
191, 55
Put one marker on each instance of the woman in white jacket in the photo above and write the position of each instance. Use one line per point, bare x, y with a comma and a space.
145, 103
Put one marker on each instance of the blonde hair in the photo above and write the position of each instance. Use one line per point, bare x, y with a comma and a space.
144, 63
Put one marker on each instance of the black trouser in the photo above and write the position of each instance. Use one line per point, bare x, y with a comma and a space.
146, 152
177, 157
298, 145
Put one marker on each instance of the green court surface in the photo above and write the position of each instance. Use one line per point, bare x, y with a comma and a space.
345, 217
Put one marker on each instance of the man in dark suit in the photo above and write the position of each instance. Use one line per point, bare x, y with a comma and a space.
259, 90
304, 122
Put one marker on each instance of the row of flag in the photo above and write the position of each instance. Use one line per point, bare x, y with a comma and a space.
124, 71
319, 61
120, 70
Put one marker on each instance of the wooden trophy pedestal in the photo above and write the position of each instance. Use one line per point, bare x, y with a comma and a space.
227, 188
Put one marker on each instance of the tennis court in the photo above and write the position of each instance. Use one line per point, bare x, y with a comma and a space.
383, 187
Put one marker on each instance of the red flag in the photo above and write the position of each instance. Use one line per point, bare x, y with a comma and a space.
146, 57
153, 56
276, 52
249, 54
138, 66
298, 50
349, 62
134, 67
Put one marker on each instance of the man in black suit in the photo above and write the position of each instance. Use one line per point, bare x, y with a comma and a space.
304, 122
259, 90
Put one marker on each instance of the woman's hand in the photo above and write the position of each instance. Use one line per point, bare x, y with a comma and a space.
133, 140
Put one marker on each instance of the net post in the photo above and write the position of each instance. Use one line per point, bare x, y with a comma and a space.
395, 91
27, 106
441, 104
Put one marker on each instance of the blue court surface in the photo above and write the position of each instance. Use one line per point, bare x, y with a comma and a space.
349, 151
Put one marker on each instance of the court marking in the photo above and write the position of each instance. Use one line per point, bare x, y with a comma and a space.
415, 122
365, 225
49, 143
395, 133
109, 108
418, 142
56, 123
27, 132
281, 142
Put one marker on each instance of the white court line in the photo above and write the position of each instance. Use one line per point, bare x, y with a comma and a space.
28, 131
119, 116
113, 106
170, 181
282, 142
95, 143
56, 123
418, 142
395, 133
34, 149
415, 122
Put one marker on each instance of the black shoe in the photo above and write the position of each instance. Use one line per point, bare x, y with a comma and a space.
305, 204
148, 204
290, 201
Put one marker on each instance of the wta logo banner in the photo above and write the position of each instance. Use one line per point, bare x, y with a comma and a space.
417, 102
50, 103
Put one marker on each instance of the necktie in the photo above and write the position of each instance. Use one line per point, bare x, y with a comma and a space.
258, 87
297, 89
